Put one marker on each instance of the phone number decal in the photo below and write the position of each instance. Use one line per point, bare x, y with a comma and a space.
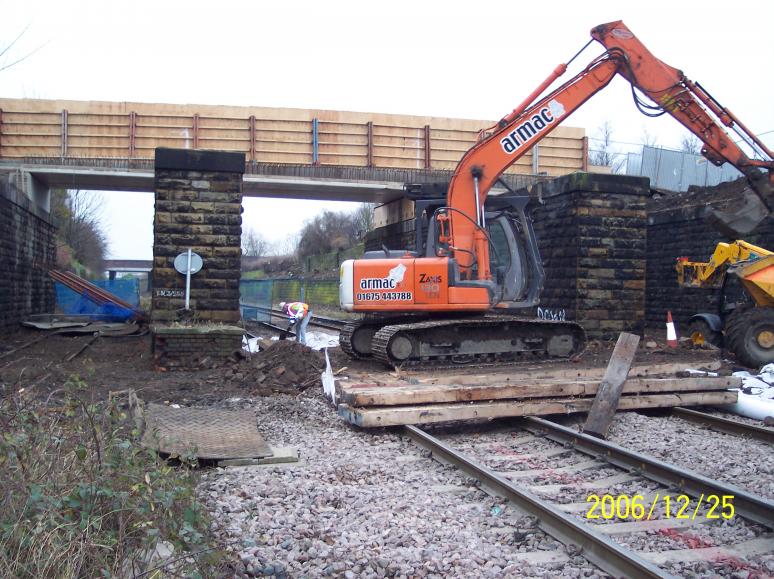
384, 296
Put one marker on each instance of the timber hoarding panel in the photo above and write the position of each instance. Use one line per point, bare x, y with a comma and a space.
35, 128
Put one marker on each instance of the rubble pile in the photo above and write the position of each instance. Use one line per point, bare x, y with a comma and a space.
284, 366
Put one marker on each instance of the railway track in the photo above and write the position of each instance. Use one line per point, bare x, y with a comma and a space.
725, 425
319, 321
549, 472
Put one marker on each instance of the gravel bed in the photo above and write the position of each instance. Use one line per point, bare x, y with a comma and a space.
715, 534
712, 534
748, 464
365, 504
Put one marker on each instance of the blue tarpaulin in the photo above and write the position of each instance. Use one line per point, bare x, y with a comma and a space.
71, 302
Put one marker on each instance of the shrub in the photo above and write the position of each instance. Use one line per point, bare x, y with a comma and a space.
80, 497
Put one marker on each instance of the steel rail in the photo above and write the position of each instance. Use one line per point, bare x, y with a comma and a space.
746, 505
725, 425
286, 331
312, 322
597, 548
329, 323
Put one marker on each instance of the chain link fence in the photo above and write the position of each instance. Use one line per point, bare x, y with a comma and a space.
258, 295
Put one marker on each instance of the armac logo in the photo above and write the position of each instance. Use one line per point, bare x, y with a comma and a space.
524, 131
371, 283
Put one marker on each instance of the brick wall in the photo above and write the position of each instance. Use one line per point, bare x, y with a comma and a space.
27, 252
591, 235
198, 205
197, 347
677, 227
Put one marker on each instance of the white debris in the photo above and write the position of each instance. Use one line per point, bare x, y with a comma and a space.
329, 387
756, 396
319, 340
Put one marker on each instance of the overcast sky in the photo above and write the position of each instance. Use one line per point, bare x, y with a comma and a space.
450, 59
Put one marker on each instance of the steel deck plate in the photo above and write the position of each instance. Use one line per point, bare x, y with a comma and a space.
206, 433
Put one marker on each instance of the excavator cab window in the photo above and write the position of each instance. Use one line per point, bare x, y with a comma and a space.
499, 250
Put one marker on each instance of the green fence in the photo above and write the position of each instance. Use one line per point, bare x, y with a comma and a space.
267, 293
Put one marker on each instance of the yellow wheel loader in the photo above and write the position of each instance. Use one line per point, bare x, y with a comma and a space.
746, 328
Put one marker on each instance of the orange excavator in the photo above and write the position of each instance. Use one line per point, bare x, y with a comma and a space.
459, 301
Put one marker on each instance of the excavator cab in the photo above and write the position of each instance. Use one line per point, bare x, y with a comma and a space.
514, 259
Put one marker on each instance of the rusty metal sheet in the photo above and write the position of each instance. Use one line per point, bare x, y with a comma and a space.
207, 433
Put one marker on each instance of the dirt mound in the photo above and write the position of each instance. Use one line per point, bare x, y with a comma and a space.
284, 366
719, 196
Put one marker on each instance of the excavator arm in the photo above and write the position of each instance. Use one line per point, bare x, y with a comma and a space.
462, 225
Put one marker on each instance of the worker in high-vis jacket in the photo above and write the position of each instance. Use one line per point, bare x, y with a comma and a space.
299, 315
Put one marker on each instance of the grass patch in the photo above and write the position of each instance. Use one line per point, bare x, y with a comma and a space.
254, 274
79, 496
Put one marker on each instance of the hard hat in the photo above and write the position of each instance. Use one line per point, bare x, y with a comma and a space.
282, 305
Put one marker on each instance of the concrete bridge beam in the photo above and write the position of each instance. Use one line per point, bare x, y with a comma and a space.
35, 190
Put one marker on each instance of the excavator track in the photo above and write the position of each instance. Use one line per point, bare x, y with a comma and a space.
480, 341
356, 336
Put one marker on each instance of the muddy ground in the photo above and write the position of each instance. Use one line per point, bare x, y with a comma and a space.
120, 363
116, 364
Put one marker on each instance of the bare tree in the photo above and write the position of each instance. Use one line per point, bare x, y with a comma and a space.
329, 231
254, 244
603, 152
8, 59
79, 215
364, 218
287, 246
690, 144
648, 139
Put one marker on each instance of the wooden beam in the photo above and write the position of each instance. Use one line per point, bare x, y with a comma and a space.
432, 413
552, 372
609, 391
398, 394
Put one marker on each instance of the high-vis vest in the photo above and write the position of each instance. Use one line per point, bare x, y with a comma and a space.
296, 310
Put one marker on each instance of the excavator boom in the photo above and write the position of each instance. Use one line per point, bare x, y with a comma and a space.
666, 86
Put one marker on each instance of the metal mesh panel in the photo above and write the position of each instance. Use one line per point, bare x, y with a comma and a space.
253, 295
677, 170
208, 433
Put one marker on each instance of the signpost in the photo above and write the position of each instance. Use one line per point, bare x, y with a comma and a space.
188, 263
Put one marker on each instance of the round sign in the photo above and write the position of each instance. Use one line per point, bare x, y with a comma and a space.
181, 263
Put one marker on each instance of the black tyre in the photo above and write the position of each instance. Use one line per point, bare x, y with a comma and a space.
700, 332
750, 336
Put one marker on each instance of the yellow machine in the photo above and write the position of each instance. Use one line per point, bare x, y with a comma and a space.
748, 328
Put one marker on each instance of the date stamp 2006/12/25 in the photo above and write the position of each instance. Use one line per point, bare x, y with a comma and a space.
636, 508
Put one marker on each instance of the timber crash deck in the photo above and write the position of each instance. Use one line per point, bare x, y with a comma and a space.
387, 401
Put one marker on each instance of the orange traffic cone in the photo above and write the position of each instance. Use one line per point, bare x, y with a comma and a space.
671, 333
